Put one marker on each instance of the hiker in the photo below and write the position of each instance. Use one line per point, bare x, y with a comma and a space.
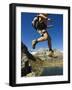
40, 24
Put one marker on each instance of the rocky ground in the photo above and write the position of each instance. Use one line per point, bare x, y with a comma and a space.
34, 64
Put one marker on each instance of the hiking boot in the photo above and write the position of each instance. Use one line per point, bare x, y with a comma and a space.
52, 54
34, 42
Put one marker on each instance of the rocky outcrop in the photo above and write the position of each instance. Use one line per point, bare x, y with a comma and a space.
25, 59
30, 64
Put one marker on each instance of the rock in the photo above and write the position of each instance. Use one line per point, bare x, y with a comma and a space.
32, 74
24, 49
26, 57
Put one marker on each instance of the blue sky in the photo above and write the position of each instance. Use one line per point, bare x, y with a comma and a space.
28, 33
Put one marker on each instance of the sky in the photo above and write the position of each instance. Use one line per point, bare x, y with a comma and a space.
28, 33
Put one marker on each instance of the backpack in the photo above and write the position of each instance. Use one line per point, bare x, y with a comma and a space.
39, 25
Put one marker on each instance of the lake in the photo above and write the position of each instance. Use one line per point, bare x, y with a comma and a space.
51, 71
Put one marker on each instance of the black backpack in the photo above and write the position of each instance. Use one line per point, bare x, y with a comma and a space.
39, 25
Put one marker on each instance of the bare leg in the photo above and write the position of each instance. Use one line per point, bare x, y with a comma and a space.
44, 38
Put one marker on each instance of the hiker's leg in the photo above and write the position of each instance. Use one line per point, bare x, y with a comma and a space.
51, 52
49, 42
43, 38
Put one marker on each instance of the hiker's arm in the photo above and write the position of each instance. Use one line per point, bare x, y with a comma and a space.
34, 20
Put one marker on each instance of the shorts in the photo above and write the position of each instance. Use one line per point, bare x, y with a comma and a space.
41, 32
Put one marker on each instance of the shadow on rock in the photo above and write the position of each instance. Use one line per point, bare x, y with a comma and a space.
24, 50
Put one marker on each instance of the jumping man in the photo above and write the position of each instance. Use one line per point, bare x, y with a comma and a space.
40, 24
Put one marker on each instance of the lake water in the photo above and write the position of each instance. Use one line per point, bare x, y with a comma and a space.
51, 71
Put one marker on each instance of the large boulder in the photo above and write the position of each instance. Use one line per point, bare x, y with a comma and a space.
25, 59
